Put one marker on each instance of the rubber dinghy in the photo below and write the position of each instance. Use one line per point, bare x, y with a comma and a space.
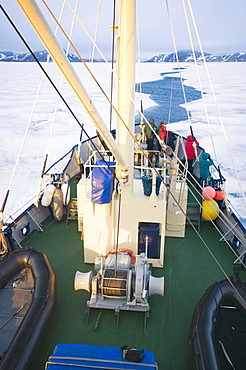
27, 299
218, 330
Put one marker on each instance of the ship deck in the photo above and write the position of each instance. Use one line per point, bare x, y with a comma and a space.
189, 269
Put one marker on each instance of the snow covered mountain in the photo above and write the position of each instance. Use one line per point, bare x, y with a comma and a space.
10, 56
184, 56
187, 56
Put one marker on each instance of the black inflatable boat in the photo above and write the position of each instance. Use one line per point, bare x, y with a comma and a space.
218, 330
32, 316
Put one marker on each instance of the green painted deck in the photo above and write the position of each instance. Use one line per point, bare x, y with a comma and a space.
189, 269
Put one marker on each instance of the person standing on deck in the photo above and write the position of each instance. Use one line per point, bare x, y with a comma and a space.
190, 148
149, 133
161, 132
205, 162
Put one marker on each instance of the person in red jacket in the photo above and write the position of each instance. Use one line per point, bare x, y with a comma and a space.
161, 132
190, 148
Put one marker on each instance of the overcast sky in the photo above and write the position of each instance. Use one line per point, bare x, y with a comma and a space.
221, 25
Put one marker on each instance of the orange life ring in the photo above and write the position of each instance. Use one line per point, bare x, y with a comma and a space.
113, 251
122, 250
126, 250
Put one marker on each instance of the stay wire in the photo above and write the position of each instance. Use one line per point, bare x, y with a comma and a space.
118, 233
102, 90
112, 67
216, 101
87, 68
151, 165
199, 78
64, 99
96, 81
54, 115
223, 218
41, 182
94, 78
43, 70
204, 243
139, 67
177, 59
92, 53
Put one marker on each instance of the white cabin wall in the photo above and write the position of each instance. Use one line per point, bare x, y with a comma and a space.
100, 221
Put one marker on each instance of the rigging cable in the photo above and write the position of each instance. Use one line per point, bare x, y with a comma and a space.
205, 244
177, 59
112, 66
199, 79
117, 113
197, 189
203, 241
118, 230
226, 219
171, 98
87, 68
83, 61
62, 79
172, 194
139, 68
155, 134
179, 68
41, 182
223, 218
58, 92
189, 120
100, 87
75, 15
97, 83
215, 99
172, 84
180, 161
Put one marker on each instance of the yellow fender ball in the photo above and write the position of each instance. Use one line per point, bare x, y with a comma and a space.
210, 210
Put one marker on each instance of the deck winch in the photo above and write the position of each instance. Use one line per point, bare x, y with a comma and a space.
123, 282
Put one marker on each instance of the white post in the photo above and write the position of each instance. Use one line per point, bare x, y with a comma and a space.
153, 195
126, 86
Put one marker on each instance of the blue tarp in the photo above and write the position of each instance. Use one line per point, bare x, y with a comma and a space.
102, 182
95, 357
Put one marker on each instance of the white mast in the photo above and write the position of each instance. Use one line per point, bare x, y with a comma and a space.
126, 85
35, 17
